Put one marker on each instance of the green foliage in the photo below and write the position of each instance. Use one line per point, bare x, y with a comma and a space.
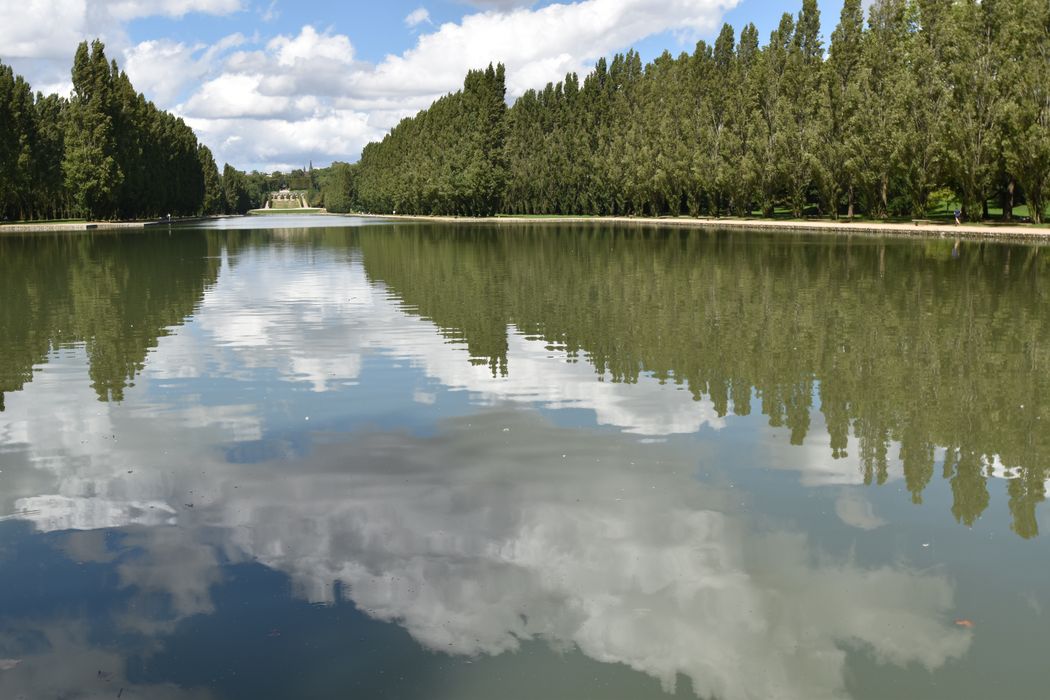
447, 160
236, 195
214, 200
106, 153
338, 188
928, 94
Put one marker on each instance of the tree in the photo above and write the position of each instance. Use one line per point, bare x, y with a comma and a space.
90, 163
213, 199
768, 124
973, 125
797, 113
840, 108
930, 95
338, 187
235, 191
1027, 108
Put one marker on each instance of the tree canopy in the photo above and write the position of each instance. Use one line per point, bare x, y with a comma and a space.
106, 152
926, 97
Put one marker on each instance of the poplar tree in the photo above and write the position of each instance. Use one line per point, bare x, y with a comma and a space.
879, 120
840, 106
90, 164
798, 113
1027, 109
52, 199
973, 123
770, 140
930, 94
212, 199
740, 174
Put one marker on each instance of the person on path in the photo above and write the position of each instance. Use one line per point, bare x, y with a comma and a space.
958, 215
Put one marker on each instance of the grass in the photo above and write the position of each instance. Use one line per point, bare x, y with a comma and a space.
284, 212
45, 222
545, 216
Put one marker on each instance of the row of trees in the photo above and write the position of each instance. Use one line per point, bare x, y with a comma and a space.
449, 159
929, 102
104, 153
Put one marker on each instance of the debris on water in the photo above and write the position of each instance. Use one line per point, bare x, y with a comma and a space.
968, 624
8, 664
188, 505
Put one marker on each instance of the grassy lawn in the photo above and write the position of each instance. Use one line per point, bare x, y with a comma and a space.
284, 212
45, 222
545, 216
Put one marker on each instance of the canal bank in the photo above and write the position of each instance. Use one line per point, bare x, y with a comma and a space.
965, 231
79, 226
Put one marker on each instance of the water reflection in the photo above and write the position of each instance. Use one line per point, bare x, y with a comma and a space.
908, 360
113, 294
900, 347
484, 536
504, 443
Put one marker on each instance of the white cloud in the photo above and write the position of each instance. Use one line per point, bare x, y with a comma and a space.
417, 17
162, 68
271, 12
537, 45
311, 46
53, 28
310, 82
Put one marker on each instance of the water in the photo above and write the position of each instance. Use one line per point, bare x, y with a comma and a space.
407, 461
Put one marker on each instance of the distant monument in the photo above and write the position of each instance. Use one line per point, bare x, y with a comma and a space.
286, 199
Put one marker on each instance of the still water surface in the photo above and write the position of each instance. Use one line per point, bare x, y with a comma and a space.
410, 461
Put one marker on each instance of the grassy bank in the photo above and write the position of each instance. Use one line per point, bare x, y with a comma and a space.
903, 227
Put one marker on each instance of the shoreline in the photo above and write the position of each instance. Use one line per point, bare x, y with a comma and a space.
966, 231
963, 231
82, 226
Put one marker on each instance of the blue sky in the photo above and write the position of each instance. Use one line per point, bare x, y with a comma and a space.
274, 84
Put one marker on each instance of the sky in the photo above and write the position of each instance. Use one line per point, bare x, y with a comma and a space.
279, 84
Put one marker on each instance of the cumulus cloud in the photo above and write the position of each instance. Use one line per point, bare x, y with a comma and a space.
240, 93
417, 16
163, 69
537, 45
38, 37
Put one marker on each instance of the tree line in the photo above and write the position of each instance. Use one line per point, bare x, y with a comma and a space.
106, 152
928, 104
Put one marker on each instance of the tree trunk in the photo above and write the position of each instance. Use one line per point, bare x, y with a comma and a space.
884, 194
